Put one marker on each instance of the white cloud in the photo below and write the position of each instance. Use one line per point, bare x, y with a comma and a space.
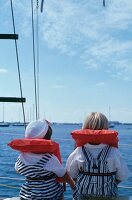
120, 75
57, 86
100, 84
97, 34
3, 71
101, 36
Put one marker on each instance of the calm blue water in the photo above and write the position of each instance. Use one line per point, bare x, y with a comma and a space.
61, 134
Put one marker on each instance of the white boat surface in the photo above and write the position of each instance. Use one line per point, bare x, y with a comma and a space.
87, 198
18, 124
4, 124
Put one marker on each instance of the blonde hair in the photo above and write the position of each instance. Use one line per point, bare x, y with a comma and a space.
96, 121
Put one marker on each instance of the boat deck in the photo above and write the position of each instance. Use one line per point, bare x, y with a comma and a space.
87, 198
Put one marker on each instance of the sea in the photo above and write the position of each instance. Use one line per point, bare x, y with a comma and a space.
61, 133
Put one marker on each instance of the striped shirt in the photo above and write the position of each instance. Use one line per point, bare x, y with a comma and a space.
40, 184
94, 178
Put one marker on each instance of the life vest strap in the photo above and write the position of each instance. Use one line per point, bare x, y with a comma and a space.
97, 174
45, 178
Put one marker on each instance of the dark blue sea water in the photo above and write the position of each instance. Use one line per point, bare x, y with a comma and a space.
61, 134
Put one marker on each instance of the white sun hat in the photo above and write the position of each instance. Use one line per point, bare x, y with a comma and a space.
37, 129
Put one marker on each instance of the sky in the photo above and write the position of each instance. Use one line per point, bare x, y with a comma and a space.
85, 59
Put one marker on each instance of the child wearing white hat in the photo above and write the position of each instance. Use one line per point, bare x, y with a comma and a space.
41, 169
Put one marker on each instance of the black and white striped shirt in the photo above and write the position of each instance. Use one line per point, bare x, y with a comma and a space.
40, 184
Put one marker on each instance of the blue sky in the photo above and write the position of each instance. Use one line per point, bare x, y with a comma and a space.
85, 59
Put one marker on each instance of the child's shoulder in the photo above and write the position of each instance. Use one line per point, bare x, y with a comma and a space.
77, 152
115, 152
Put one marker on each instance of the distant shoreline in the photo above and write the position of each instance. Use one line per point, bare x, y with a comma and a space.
115, 123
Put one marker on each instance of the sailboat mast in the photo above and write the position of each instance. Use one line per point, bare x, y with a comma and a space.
19, 114
3, 112
109, 114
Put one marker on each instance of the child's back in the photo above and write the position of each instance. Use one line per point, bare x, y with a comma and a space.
40, 176
96, 173
96, 168
39, 168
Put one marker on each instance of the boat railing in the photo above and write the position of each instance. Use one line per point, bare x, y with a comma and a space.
87, 198
22, 179
105, 198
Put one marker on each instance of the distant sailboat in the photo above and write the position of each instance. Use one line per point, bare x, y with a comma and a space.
3, 123
18, 123
111, 125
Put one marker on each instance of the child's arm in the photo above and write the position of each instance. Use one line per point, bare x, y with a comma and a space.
122, 171
56, 167
16, 167
68, 179
117, 181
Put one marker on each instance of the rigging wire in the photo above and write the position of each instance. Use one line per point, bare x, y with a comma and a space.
9, 186
104, 3
34, 62
18, 65
42, 5
37, 57
12, 178
19, 179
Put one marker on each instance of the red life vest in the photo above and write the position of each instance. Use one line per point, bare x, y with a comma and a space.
84, 136
36, 146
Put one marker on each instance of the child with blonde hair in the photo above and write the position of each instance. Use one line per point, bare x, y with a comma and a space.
96, 164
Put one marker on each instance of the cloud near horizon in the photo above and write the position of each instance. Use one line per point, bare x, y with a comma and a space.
58, 87
3, 71
100, 84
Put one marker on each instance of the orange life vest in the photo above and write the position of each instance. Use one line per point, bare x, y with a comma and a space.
84, 136
36, 146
